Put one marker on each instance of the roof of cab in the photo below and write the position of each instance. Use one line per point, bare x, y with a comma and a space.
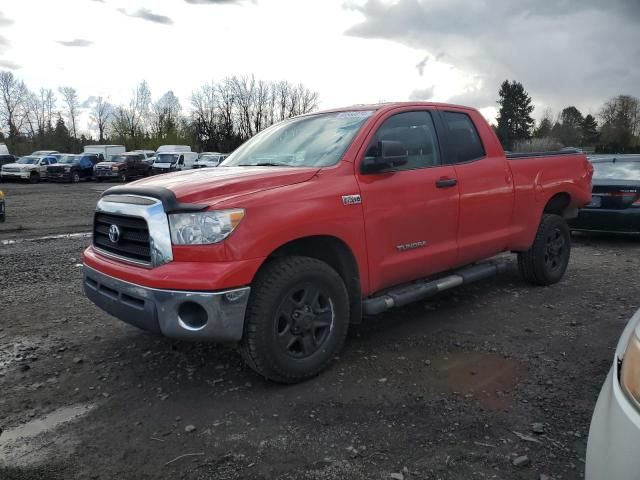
390, 106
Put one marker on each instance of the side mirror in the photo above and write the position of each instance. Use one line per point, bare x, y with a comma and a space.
388, 154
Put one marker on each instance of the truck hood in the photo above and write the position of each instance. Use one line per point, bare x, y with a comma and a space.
21, 166
218, 184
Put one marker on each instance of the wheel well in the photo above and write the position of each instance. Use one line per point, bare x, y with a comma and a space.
559, 204
335, 253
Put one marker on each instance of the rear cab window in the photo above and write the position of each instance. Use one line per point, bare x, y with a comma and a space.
464, 141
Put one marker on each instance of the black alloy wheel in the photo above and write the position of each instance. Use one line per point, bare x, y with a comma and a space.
304, 320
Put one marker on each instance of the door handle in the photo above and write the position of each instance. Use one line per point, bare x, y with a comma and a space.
446, 183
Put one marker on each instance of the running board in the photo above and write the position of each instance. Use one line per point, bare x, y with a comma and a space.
406, 294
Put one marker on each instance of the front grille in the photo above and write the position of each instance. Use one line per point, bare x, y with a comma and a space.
55, 169
134, 242
11, 169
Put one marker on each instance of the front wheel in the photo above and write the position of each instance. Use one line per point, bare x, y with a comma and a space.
547, 259
297, 319
123, 177
75, 177
34, 177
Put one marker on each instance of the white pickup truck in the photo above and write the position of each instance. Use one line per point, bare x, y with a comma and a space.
209, 159
31, 168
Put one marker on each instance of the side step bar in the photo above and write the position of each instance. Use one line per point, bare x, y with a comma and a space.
404, 295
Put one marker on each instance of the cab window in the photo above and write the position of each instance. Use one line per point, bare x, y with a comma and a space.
463, 138
416, 132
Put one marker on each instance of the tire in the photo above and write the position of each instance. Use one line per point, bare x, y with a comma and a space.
75, 177
123, 177
34, 178
99, 180
547, 259
279, 342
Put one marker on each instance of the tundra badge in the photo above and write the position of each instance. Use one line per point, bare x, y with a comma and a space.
411, 246
351, 200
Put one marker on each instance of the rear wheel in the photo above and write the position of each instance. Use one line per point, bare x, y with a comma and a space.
547, 259
297, 319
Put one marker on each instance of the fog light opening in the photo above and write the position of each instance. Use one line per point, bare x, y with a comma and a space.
192, 316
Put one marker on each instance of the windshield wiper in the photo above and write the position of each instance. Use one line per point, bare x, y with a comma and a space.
265, 164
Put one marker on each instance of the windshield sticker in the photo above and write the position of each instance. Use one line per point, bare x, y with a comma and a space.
355, 114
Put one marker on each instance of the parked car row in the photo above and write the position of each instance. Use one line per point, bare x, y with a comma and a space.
103, 162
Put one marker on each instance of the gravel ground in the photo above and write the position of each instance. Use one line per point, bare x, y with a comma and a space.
460, 387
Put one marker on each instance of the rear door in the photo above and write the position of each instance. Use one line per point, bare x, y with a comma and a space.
485, 184
410, 211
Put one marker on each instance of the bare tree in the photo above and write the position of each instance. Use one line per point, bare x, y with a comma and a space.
101, 113
131, 121
620, 118
38, 111
204, 102
72, 104
13, 98
165, 115
244, 92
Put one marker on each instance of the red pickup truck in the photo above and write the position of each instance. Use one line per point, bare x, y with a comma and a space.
324, 218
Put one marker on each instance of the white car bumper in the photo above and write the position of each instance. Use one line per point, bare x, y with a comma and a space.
21, 175
613, 449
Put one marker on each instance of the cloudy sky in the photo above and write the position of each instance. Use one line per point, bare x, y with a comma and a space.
565, 52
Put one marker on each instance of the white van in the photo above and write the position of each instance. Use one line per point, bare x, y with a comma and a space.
173, 148
172, 161
3, 149
107, 151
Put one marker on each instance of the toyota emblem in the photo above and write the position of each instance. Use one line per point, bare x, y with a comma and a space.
114, 233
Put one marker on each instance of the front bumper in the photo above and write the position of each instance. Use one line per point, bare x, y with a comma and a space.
614, 436
59, 177
607, 220
16, 175
185, 315
106, 174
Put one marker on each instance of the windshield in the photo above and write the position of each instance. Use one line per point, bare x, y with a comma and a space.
167, 157
312, 141
617, 170
68, 159
209, 158
28, 160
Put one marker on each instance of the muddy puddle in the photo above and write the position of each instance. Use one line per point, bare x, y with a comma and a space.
488, 378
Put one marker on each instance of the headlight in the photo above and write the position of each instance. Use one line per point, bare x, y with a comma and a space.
67, 169
203, 227
630, 374
114, 169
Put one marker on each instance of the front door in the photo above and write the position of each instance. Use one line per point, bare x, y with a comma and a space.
410, 211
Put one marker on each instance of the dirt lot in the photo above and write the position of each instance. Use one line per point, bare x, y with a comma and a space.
445, 389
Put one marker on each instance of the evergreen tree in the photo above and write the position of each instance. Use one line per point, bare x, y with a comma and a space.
61, 138
590, 135
514, 118
571, 127
543, 129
